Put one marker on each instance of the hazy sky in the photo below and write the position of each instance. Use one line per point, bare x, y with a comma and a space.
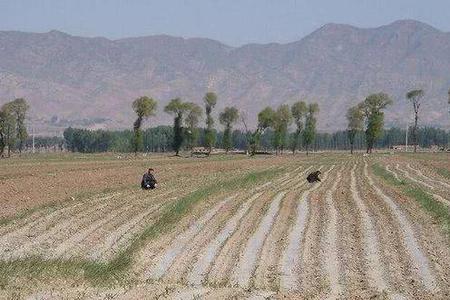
234, 22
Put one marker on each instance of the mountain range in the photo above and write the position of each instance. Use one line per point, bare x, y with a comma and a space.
91, 82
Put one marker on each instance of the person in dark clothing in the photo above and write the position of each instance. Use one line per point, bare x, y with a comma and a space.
148, 180
313, 177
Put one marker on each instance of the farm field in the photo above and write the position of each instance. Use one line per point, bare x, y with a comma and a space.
79, 226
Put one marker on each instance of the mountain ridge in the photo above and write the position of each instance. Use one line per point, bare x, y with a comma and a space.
78, 79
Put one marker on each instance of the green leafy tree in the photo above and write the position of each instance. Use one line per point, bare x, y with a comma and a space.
266, 119
177, 108
210, 100
373, 109
415, 97
227, 118
144, 107
309, 133
192, 119
3, 131
355, 117
7, 128
282, 120
298, 111
18, 109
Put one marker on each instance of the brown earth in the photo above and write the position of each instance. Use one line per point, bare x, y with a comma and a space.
359, 236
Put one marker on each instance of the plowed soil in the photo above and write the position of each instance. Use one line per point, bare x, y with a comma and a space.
353, 235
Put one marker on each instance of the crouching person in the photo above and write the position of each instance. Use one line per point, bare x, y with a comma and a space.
313, 177
148, 180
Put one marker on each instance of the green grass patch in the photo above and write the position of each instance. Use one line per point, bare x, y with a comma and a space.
387, 176
443, 172
35, 267
436, 209
114, 271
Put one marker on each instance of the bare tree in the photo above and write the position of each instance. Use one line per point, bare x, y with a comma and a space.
298, 111
355, 117
415, 97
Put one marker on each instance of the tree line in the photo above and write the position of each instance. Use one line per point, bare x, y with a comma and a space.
187, 117
370, 113
272, 132
160, 139
365, 118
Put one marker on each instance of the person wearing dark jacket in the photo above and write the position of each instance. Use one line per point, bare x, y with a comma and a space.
148, 180
313, 177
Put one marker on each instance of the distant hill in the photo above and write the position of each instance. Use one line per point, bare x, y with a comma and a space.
91, 82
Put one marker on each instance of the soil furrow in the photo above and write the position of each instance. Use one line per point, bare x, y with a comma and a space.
350, 243
38, 219
331, 263
36, 243
266, 274
313, 281
150, 254
434, 195
407, 175
371, 242
77, 231
189, 293
102, 244
228, 255
290, 258
29, 238
246, 264
182, 265
399, 273
75, 240
119, 236
418, 172
202, 266
43, 216
420, 262
393, 173
266, 267
165, 261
